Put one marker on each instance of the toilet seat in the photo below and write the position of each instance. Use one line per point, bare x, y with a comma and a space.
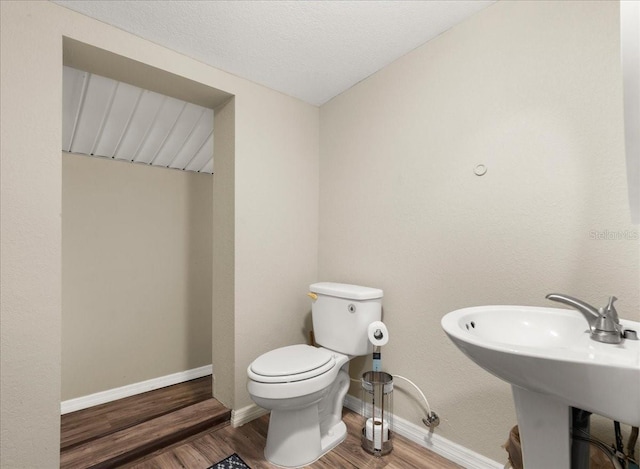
290, 364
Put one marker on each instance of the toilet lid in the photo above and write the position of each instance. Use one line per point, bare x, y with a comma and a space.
293, 363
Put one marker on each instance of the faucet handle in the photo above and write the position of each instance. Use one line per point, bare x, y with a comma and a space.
610, 310
607, 327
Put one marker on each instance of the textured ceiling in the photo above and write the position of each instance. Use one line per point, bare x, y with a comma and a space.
312, 50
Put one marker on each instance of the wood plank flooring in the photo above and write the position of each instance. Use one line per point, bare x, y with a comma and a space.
201, 451
88, 424
119, 432
141, 419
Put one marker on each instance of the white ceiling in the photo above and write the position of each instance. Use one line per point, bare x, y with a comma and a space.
312, 50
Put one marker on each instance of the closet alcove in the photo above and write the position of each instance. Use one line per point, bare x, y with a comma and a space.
139, 241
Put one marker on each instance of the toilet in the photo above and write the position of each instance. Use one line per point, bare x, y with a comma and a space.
304, 386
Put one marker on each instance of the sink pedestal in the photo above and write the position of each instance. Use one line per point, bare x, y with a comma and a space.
544, 425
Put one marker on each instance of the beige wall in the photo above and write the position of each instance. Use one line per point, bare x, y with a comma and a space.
276, 235
223, 333
275, 154
532, 90
136, 273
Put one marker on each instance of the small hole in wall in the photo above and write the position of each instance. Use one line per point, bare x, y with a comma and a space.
473, 324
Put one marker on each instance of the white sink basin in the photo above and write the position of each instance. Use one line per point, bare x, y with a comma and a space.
549, 351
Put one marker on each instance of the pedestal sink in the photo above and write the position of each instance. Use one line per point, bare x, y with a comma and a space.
552, 364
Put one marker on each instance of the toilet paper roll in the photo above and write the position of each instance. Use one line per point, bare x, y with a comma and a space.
378, 333
377, 431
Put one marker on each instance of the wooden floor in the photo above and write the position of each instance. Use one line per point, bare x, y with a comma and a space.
208, 447
248, 442
89, 424
114, 434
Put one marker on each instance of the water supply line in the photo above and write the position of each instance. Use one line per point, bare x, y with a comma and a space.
607, 450
618, 459
431, 420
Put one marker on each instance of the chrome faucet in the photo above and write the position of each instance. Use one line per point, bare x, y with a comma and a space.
604, 324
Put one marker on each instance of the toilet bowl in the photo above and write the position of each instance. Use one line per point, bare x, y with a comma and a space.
304, 386
305, 420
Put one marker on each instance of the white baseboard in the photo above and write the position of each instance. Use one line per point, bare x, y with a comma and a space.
103, 397
246, 414
432, 441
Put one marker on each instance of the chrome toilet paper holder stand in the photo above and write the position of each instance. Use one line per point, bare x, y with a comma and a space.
377, 409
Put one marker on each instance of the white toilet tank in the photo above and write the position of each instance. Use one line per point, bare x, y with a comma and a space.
341, 314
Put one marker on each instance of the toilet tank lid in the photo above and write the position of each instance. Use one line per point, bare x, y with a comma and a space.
345, 290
